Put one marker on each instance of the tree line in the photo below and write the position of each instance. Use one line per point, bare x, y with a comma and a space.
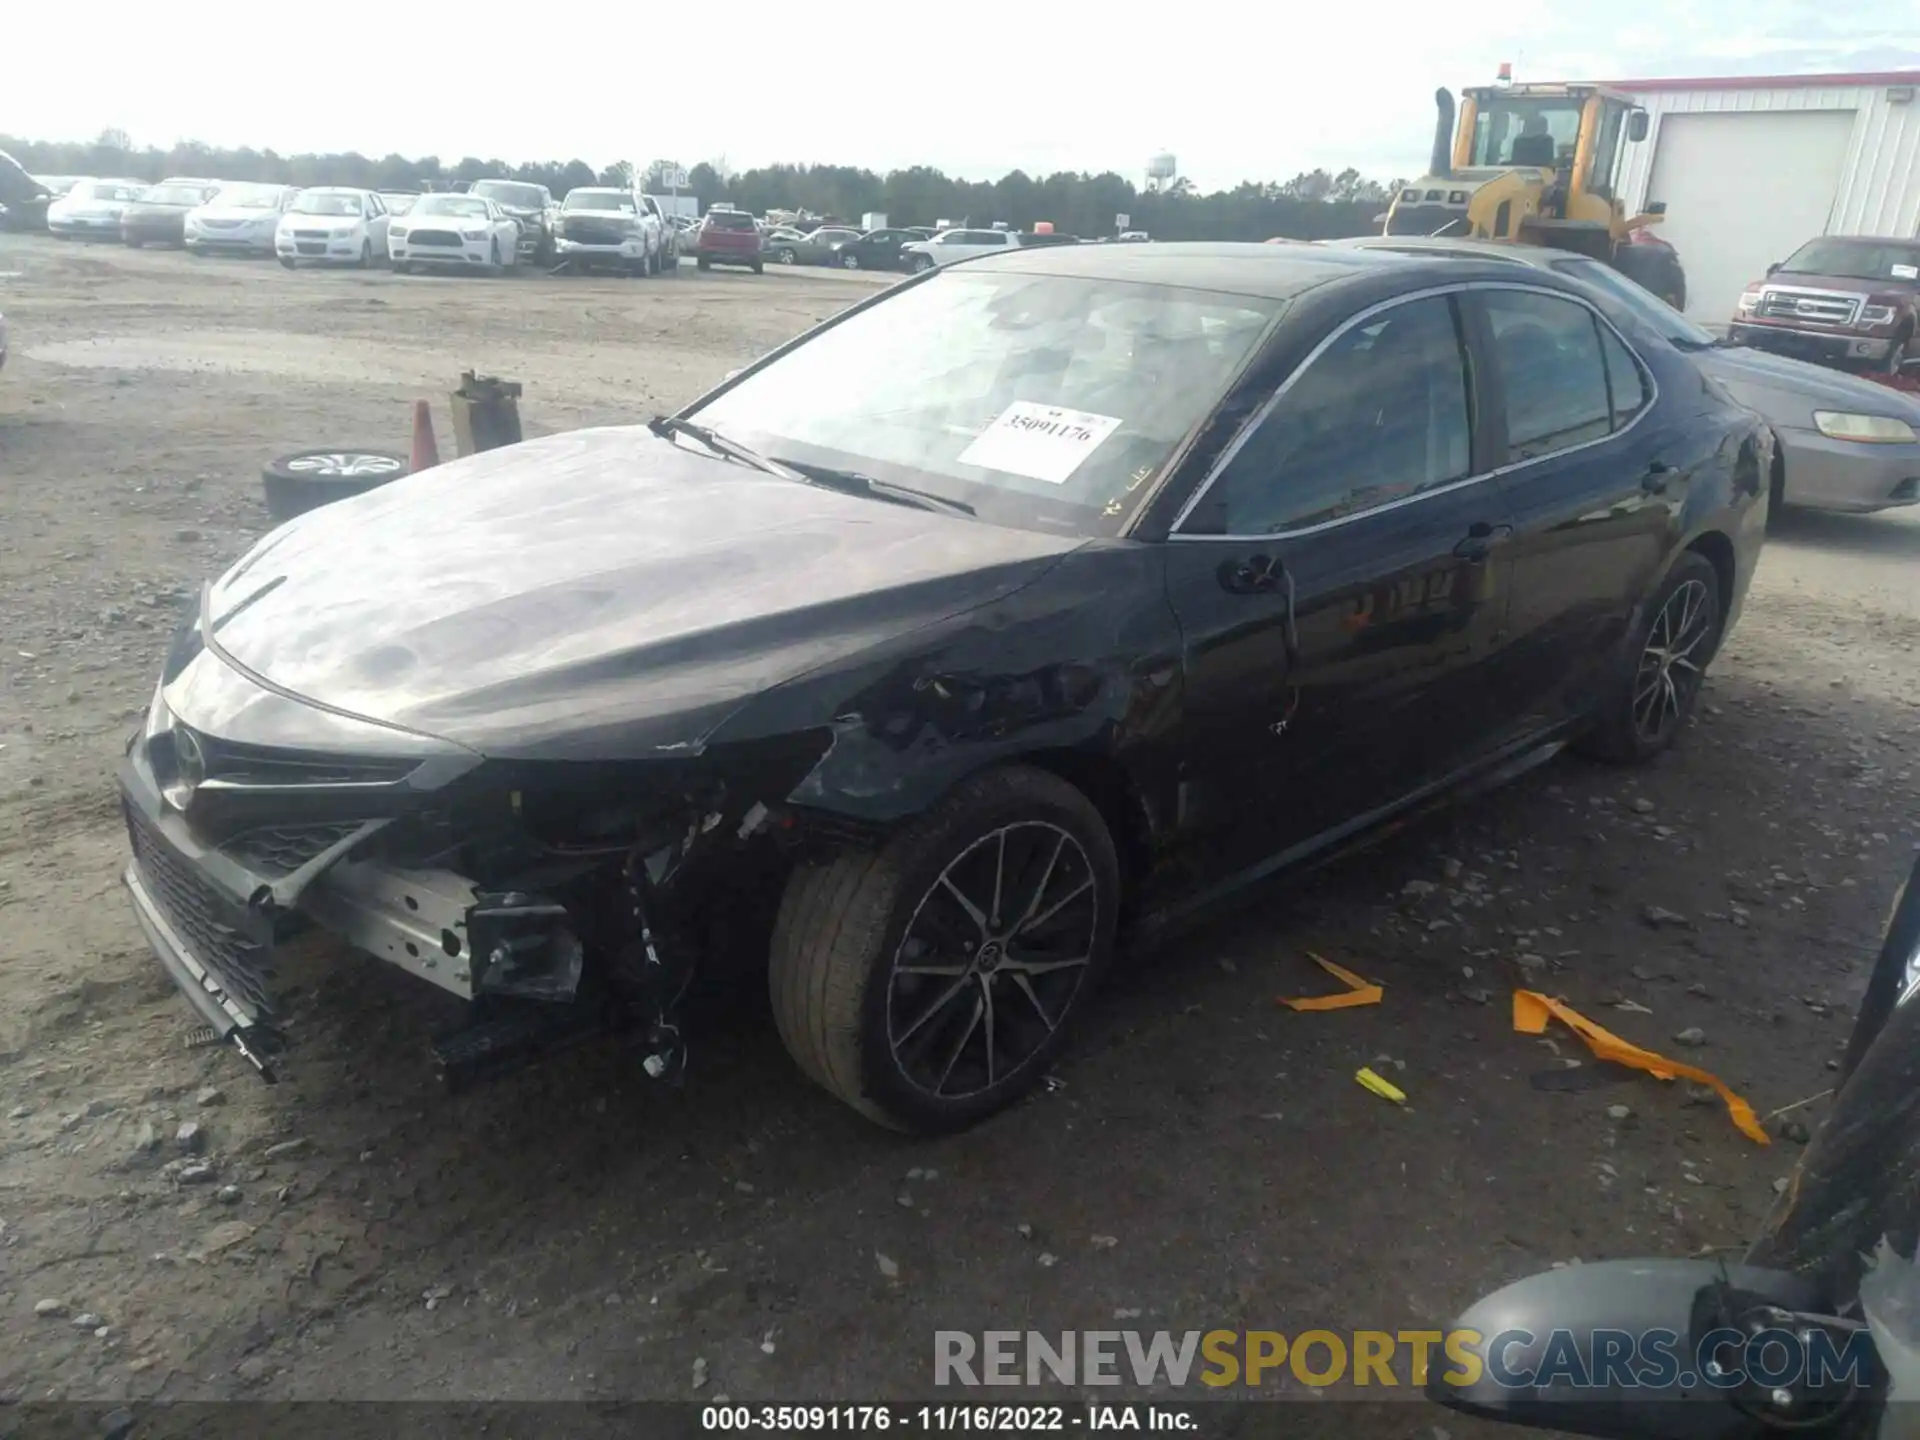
1313, 205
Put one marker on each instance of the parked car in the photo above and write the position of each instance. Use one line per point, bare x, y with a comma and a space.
1842, 442
60, 186
1061, 592
1842, 299
333, 224
238, 220
463, 232
91, 209
3, 341
875, 250
728, 237
787, 245
23, 199
531, 207
1138, 237
601, 226
669, 235
398, 202
951, 245
159, 215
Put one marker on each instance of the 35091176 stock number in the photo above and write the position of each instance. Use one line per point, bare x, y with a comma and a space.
785, 1419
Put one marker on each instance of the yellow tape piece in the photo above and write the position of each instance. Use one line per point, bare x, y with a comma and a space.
1384, 1089
1532, 1010
1358, 992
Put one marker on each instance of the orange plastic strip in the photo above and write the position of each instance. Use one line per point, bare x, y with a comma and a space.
1532, 1010
1358, 992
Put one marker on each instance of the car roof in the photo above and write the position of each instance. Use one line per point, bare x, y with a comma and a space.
1539, 256
1270, 272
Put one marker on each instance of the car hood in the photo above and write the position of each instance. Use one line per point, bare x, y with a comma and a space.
1849, 284
599, 594
227, 214
88, 206
318, 222
1787, 391
577, 214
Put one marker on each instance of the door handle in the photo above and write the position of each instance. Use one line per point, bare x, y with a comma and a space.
1659, 475
1255, 575
1480, 539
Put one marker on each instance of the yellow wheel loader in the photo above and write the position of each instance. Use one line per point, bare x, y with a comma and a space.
1537, 165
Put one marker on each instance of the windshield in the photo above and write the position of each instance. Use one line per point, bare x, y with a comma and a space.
399, 204
510, 192
1647, 307
174, 195
314, 202
1857, 259
1525, 132
104, 190
465, 206
1045, 402
249, 199
599, 200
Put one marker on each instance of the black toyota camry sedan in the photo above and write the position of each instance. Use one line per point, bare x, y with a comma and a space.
1001, 620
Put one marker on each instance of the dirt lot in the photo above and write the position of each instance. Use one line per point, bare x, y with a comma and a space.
1204, 1159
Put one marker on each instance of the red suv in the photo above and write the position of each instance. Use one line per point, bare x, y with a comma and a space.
729, 237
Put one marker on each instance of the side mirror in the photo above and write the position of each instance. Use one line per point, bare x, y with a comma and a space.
1773, 268
1658, 207
1638, 124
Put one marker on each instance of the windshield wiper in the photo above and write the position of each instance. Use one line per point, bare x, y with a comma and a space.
666, 425
853, 482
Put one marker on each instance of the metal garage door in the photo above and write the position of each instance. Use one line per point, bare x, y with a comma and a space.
1742, 191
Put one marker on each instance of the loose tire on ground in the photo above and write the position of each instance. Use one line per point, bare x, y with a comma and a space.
1618, 734
308, 479
845, 1012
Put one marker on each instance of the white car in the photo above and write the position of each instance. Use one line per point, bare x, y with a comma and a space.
951, 245
92, 208
465, 232
602, 226
240, 220
335, 225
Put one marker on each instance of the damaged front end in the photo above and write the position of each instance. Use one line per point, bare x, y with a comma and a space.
559, 899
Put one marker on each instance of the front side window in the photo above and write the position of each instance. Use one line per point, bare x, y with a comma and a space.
1045, 402
1547, 349
1381, 414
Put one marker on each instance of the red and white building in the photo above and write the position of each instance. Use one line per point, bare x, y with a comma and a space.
1750, 167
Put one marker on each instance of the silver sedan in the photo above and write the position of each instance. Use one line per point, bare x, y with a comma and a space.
1845, 443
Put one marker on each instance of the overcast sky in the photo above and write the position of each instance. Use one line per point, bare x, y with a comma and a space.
1236, 89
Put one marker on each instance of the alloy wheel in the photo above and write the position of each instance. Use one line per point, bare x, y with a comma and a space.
1673, 662
345, 462
993, 958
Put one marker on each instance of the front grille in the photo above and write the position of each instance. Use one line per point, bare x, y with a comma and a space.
197, 913
277, 850
432, 237
595, 232
312, 234
258, 765
1810, 305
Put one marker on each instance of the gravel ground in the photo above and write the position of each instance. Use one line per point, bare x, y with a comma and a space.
1204, 1158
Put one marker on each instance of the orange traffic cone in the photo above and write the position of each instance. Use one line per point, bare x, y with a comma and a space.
425, 451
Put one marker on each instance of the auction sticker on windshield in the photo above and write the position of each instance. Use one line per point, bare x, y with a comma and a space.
1041, 442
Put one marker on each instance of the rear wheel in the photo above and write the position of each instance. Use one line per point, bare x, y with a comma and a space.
850, 262
922, 262
931, 983
1674, 645
703, 263
786, 256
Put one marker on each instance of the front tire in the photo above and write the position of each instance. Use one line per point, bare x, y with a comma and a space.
702, 263
1672, 649
786, 256
399, 267
1896, 356
922, 263
850, 262
286, 262
930, 983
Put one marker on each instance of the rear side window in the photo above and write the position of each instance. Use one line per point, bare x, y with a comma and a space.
1381, 414
729, 220
1548, 352
1625, 384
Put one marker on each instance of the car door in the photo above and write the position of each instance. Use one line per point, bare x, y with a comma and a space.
1593, 475
1341, 583
377, 222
